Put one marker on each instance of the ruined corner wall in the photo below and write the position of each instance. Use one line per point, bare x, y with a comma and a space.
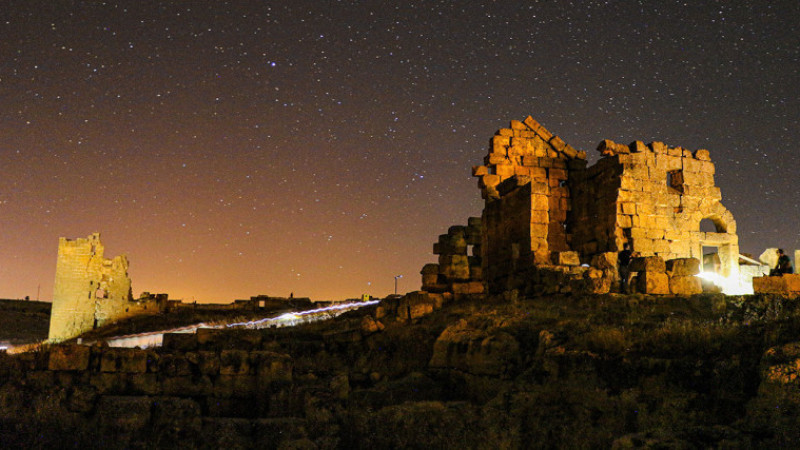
653, 197
526, 182
459, 270
89, 289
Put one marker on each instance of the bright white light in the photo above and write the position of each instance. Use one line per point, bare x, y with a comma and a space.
729, 285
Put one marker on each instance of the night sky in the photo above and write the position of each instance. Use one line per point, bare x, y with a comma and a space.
320, 147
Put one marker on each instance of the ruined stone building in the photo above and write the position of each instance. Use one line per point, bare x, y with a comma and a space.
91, 291
546, 213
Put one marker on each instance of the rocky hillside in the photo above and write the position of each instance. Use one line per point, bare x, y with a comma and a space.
555, 372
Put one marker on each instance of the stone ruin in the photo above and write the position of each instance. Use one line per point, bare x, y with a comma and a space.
91, 291
551, 224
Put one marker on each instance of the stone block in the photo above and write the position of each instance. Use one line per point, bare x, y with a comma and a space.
471, 287
637, 147
69, 357
236, 386
430, 281
683, 266
370, 325
126, 360
540, 217
787, 284
490, 180
208, 363
658, 147
479, 171
702, 155
432, 268
597, 281
685, 284
274, 367
557, 143
559, 174
656, 283
539, 202
414, 305
179, 342
174, 364
517, 125
605, 261
234, 362
648, 264
566, 258
123, 414
500, 143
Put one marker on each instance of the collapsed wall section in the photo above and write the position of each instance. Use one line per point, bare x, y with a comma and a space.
459, 270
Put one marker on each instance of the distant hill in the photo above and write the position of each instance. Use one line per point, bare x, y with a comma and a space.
23, 322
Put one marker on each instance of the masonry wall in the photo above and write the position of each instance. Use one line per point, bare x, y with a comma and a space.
654, 197
526, 183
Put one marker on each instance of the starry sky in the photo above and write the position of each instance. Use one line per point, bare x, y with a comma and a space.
232, 149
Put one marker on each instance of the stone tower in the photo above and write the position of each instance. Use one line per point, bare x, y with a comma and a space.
86, 285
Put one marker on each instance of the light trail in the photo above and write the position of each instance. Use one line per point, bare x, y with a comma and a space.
156, 338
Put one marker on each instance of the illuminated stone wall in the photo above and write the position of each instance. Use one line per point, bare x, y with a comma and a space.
526, 182
90, 290
653, 197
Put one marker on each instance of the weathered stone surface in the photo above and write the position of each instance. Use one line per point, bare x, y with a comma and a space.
769, 257
124, 414
414, 305
370, 325
474, 351
685, 285
683, 266
605, 261
471, 287
272, 367
127, 360
648, 264
566, 258
652, 283
787, 284
234, 362
69, 357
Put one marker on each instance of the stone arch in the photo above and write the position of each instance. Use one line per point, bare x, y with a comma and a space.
720, 216
724, 238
